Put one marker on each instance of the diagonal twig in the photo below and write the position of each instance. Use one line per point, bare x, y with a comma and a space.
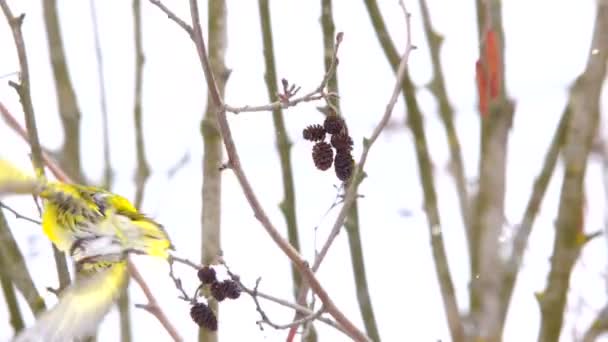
23, 89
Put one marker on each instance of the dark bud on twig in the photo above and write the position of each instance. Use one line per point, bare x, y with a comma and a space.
203, 316
344, 165
342, 142
314, 133
207, 275
333, 124
339, 37
322, 155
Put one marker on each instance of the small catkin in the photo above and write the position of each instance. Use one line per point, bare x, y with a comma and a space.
322, 155
203, 316
342, 142
344, 165
314, 133
333, 124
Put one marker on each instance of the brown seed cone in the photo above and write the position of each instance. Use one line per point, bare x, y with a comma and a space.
322, 155
217, 291
314, 133
206, 275
333, 124
203, 316
342, 142
344, 165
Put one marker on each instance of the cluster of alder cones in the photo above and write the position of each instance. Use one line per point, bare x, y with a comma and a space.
201, 313
323, 153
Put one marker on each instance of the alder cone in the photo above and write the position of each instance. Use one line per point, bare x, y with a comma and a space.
314, 133
342, 142
344, 165
322, 155
333, 124
203, 316
206, 275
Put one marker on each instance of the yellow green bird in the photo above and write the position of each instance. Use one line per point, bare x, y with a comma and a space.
98, 229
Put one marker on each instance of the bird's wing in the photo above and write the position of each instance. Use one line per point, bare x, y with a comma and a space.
81, 307
15, 181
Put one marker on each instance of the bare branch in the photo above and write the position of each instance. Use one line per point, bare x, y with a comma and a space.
171, 15
107, 168
235, 165
19, 215
152, 305
584, 106
23, 89
351, 192
255, 293
69, 112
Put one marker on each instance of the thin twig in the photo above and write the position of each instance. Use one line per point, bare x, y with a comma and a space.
107, 167
266, 320
173, 16
152, 305
143, 169
23, 89
415, 122
256, 293
524, 229
260, 214
351, 192
69, 112
283, 143
351, 223
19, 215
179, 286
14, 265
438, 88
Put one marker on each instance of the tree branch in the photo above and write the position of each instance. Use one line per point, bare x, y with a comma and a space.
107, 168
425, 168
283, 144
152, 305
235, 164
446, 112
16, 319
211, 191
23, 89
584, 117
66, 97
16, 268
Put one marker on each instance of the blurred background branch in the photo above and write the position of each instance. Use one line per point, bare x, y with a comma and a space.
23, 90
69, 112
582, 124
351, 224
283, 143
425, 170
107, 167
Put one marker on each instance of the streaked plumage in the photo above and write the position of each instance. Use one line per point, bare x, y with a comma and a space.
98, 229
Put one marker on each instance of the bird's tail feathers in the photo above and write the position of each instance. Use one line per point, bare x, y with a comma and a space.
81, 307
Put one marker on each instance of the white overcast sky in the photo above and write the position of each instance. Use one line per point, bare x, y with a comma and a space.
547, 43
